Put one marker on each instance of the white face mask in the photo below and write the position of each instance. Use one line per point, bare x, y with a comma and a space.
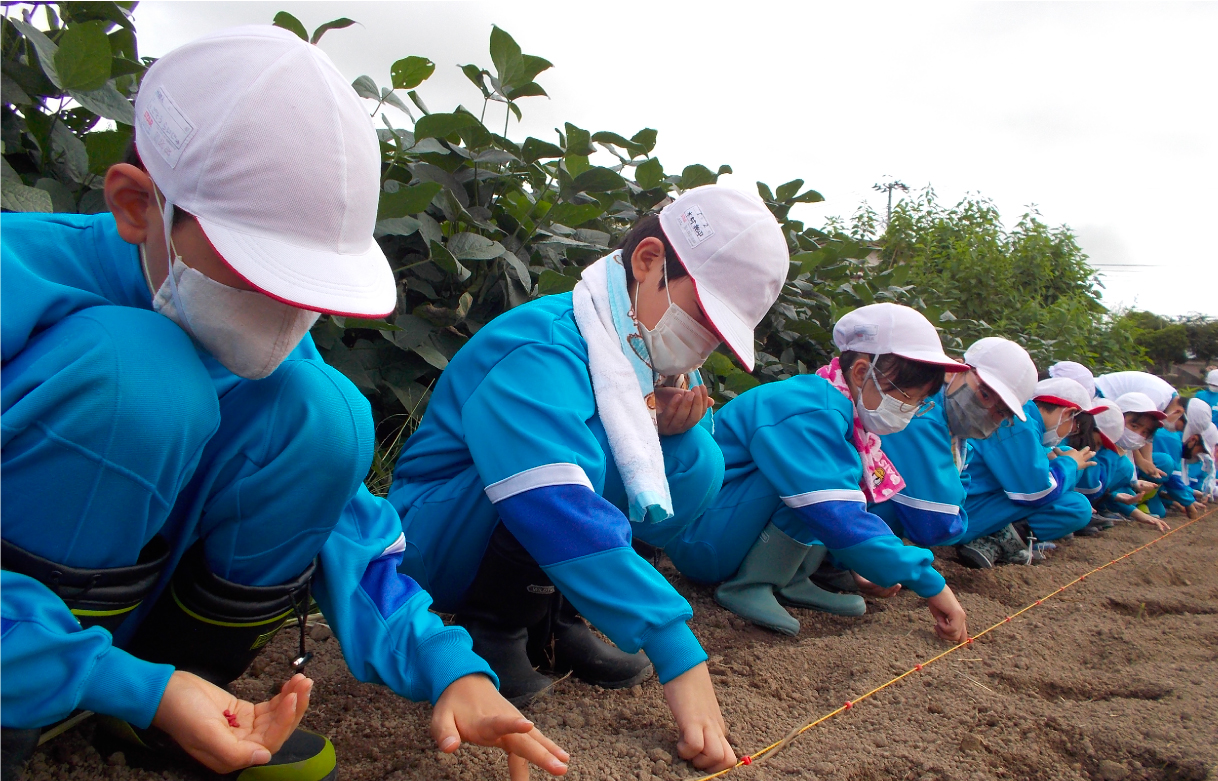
1131, 440
248, 333
890, 416
1051, 438
678, 344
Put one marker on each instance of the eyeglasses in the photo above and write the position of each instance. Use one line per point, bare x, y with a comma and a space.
919, 409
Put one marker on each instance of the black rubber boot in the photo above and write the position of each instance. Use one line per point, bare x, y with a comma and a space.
96, 597
509, 595
214, 628
576, 650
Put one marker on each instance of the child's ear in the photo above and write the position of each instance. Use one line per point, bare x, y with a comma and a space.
128, 192
646, 254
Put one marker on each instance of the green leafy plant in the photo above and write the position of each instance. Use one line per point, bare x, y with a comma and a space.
67, 113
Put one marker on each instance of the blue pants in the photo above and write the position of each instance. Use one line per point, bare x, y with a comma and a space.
989, 512
711, 548
449, 522
116, 429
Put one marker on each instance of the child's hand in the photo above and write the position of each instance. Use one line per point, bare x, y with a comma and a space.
472, 709
703, 741
872, 590
678, 410
950, 623
1082, 456
1150, 520
1144, 486
223, 732
1127, 498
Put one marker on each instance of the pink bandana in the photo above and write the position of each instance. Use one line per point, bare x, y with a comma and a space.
881, 481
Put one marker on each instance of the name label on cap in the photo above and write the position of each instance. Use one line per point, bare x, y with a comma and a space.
695, 226
866, 332
167, 127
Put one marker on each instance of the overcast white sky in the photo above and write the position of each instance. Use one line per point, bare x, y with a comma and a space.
1100, 114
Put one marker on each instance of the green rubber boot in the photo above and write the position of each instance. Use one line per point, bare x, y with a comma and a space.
769, 565
802, 592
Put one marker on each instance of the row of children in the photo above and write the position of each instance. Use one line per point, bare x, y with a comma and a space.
183, 471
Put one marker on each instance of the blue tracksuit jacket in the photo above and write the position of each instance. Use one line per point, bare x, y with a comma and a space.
929, 510
511, 435
115, 429
790, 460
1013, 478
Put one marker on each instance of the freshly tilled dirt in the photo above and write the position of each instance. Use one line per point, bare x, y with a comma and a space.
1114, 679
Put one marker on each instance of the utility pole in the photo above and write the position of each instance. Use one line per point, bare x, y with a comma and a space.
889, 186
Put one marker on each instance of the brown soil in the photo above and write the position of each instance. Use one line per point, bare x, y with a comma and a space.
1117, 678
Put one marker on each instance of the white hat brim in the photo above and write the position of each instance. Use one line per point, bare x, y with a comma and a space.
1004, 392
938, 358
350, 285
735, 332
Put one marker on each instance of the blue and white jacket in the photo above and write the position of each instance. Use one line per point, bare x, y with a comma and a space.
517, 403
1013, 461
799, 434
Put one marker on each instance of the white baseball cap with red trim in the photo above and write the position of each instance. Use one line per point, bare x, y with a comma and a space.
257, 134
734, 251
1199, 419
1005, 368
1072, 370
881, 329
1064, 393
1110, 422
1141, 404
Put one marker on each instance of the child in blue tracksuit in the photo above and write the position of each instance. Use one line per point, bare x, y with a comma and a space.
1111, 485
538, 459
795, 484
932, 452
169, 504
1019, 474
1174, 452
1209, 394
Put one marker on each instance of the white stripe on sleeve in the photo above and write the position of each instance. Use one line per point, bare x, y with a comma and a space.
827, 495
537, 477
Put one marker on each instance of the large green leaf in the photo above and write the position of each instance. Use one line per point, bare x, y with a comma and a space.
407, 200
695, 176
291, 24
507, 58
646, 140
409, 72
365, 87
445, 260
336, 24
579, 141
573, 214
788, 190
44, 46
17, 196
69, 153
471, 246
442, 125
105, 148
598, 180
551, 282
649, 174
108, 102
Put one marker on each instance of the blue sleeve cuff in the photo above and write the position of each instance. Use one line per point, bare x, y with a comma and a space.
126, 687
673, 650
446, 656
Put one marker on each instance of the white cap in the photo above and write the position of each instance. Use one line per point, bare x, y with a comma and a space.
1140, 403
258, 135
1210, 438
1109, 420
1199, 417
881, 329
1211, 379
1156, 389
1005, 368
1074, 371
1064, 393
734, 251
